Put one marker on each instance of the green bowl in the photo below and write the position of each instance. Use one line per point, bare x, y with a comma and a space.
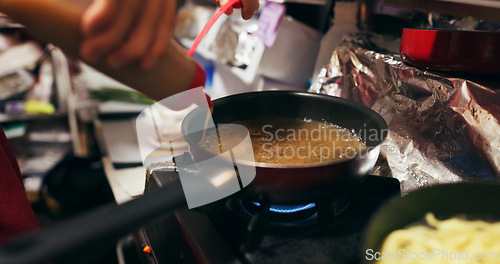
477, 200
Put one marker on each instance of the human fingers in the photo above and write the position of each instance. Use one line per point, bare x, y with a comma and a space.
163, 34
249, 8
229, 11
98, 16
220, 3
97, 46
141, 37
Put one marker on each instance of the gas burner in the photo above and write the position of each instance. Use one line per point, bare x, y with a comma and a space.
284, 215
288, 209
242, 231
291, 215
263, 219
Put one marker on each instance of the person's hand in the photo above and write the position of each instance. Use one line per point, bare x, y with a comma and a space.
248, 8
121, 32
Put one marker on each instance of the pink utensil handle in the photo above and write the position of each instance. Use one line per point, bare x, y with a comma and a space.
204, 31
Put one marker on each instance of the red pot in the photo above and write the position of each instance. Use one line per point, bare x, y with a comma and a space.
452, 50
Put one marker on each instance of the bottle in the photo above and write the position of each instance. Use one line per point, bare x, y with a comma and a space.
58, 22
345, 21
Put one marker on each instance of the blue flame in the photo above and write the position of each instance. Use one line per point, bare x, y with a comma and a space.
288, 209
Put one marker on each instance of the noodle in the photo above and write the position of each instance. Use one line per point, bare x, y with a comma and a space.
449, 241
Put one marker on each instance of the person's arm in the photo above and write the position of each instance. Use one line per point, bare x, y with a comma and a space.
128, 40
59, 22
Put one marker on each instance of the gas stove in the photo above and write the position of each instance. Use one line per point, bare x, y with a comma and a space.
235, 230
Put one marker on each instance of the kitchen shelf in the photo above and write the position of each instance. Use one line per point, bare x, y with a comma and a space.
482, 9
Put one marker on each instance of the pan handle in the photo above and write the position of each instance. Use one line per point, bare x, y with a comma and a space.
94, 230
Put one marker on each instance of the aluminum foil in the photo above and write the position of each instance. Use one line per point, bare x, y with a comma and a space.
442, 129
235, 44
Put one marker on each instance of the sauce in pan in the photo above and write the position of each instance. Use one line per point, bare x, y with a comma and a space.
287, 141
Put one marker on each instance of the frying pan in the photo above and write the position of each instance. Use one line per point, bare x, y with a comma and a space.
273, 183
474, 200
307, 182
464, 51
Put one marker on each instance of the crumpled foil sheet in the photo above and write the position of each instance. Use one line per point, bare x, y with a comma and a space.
235, 44
442, 129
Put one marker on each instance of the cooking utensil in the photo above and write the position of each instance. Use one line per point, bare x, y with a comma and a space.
210, 23
452, 50
273, 183
298, 183
472, 200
